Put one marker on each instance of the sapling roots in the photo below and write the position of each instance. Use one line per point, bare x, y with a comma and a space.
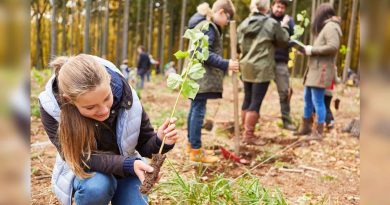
151, 178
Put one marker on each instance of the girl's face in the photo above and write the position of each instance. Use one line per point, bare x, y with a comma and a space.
96, 104
221, 18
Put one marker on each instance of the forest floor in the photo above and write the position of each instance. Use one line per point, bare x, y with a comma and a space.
314, 172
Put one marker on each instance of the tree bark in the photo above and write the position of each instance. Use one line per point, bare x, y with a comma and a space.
294, 8
118, 37
64, 21
182, 24
53, 47
145, 24
125, 29
313, 12
351, 36
162, 61
38, 52
137, 29
86, 25
150, 30
106, 24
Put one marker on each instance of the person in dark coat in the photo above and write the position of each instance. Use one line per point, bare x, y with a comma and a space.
143, 65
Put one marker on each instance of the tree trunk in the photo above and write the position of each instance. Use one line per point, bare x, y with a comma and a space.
137, 29
145, 24
150, 30
53, 47
100, 30
118, 37
125, 29
294, 8
351, 36
162, 61
313, 12
64, 17
38, 52
172, 27
339, 9
86, 25
182, 23
106, 24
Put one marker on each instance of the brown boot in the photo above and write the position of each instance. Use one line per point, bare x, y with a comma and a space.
318, 132
305, 127
243, 116
199, 155
249, 137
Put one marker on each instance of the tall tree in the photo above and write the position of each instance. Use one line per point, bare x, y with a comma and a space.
39, 9
164, 11
118, 36
313, 13
294, 8
137, 28
106, 25
64, 22
351, 36
145, 24
182, 23
150, 30
125, 29
86, 25
53, 47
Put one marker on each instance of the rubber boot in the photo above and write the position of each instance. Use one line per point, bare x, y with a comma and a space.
199, 155
305, 127
249, 136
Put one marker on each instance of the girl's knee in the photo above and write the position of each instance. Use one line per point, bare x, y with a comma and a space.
99, 187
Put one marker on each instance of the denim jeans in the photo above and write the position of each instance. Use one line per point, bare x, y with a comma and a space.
195, 122
101, 188
314, 100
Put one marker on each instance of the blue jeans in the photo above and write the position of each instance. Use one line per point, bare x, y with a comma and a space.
314, 100
101, 188
195, 122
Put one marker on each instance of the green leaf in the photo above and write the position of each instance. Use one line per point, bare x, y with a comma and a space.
196, 71
193, 35
299, 17
205, 42
180, 54
307, 22
190, 89
205, 27
174, 80
199, 56
205, 53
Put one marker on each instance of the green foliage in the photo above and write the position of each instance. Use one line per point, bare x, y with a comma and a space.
302, 22
218, 190
194, 70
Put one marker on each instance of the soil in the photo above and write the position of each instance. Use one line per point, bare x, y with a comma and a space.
152, 177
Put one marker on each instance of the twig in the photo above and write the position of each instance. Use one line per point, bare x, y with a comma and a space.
311, 168
291, 170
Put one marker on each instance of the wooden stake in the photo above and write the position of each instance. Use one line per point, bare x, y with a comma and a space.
233, 53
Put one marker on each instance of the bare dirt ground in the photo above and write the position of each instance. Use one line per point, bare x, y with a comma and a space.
317, 172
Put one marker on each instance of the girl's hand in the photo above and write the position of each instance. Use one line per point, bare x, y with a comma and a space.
140, 168
169, 132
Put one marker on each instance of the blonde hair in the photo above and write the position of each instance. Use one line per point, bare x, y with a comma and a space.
204, 9
226, 5
257, 5
77, 75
